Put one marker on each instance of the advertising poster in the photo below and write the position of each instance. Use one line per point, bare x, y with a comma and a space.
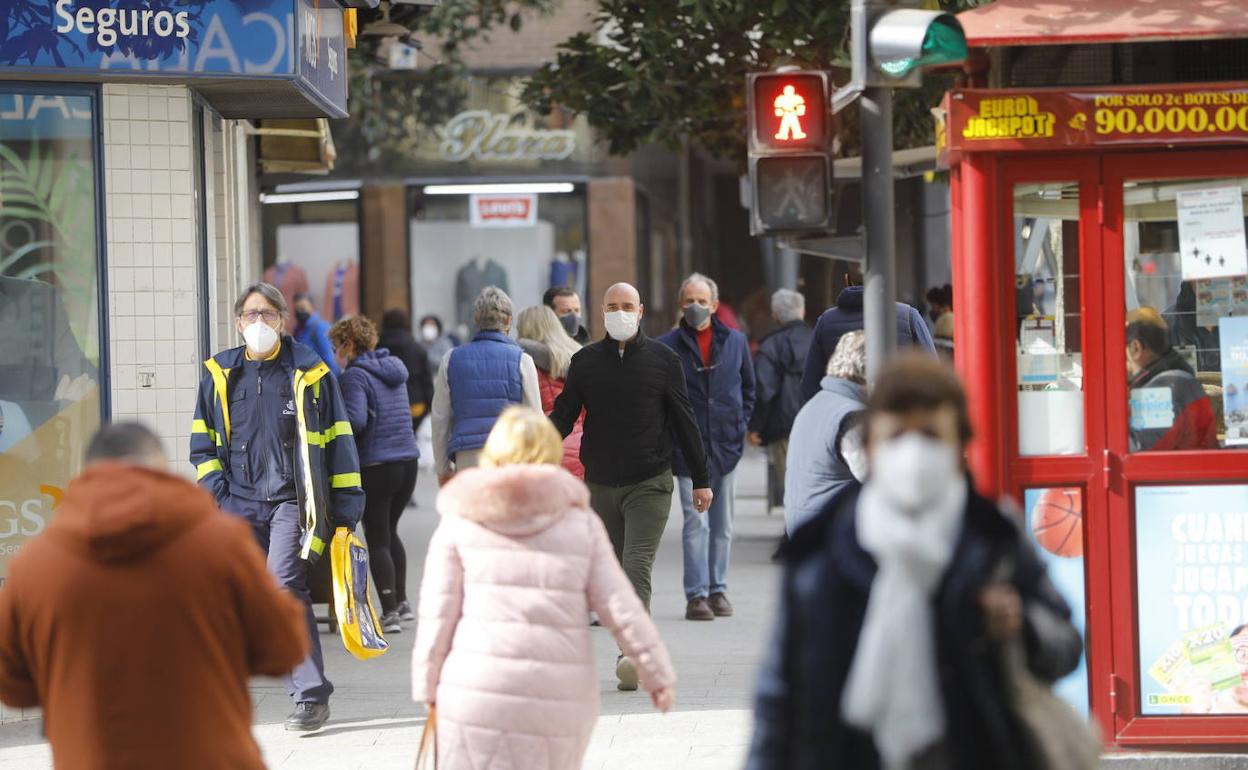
1211, 232
1192, 584
1055, 520
1233, 334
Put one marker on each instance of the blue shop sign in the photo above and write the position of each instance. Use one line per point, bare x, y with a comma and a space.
297, 42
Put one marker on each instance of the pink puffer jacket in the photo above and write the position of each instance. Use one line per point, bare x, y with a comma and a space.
503, 642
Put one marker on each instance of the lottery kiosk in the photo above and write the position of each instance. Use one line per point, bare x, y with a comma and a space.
1098, 161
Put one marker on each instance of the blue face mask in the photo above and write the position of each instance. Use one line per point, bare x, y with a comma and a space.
696, 315
571, 323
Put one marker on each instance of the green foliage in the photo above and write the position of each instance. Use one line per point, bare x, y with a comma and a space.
667, 70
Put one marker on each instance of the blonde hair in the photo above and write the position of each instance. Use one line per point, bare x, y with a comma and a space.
540, 324
522, 436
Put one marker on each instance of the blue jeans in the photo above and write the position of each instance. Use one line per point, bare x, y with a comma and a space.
278, 530
707, 537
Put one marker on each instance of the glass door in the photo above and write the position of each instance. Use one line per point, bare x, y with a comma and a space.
1054, 436
1176, 377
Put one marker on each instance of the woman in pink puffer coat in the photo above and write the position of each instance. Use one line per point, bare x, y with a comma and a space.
516, 564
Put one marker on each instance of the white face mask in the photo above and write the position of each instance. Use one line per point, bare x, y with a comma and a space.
621, 326
260, 338
429, 332
913, 471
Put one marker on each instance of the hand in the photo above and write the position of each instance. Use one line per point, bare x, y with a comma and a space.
73, 390
702, 499
443, 478
755, 438
663, 699
1003, 611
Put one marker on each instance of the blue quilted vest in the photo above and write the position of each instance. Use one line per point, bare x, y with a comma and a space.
484, 377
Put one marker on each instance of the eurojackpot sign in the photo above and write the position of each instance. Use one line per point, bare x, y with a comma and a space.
1043, 119
228, 47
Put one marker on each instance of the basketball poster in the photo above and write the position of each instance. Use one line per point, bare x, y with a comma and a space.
1055, 520
1192, 584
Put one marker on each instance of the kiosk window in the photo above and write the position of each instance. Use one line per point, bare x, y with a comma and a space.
1186, 263
1048, 325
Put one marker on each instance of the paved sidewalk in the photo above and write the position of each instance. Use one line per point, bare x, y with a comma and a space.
375, 724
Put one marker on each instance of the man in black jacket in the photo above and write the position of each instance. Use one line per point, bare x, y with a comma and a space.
567, 306
778, 367
632, 389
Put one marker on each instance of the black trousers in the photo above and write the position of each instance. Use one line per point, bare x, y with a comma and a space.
387, 488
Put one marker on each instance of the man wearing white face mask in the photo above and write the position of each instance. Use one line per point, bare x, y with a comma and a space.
272, 441
632, 389
897, 601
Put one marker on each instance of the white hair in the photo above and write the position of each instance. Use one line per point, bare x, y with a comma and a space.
849, 360
788, 305
492, 311
699, 278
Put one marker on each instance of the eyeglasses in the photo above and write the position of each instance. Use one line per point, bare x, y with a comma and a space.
251, 316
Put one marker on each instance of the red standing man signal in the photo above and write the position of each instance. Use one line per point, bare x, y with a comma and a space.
790, 108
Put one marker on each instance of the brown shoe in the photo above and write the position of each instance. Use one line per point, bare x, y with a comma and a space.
720, 605
698, 609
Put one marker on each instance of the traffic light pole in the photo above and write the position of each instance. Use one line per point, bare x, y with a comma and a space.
879, 305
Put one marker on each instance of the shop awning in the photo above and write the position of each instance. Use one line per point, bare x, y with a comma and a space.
1070, 22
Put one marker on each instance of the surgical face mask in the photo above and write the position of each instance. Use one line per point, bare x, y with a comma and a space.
696, 315
621, 326
913, 471
260, 338
571, 323
429, 332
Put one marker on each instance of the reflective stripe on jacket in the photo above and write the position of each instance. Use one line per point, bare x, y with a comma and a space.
327, 477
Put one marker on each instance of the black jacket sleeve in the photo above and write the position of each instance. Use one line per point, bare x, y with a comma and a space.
569, 403
1053, 644
681, 419
816, 366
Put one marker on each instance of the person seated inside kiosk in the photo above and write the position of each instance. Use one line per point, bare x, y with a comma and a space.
1169, 408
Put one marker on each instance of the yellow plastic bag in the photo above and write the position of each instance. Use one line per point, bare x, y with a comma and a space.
358, 621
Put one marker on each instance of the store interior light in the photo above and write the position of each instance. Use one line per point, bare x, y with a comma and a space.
500, 189
320, 196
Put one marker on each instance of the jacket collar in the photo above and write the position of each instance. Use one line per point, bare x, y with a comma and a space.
850, 298
719, 333
842, 387
294, 355
1170, 361
494, 336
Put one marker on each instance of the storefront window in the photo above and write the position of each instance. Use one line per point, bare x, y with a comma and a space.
1048, 331
1192, 582
522, 242
49, 304
1055, 521
1187, 314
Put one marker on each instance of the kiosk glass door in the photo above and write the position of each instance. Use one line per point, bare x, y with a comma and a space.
1176, 363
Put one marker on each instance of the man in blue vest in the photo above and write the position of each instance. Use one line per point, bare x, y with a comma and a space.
476, 382
720, 379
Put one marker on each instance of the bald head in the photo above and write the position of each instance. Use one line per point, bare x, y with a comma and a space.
622, 296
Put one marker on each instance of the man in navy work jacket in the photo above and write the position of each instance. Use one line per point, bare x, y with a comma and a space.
846, 316
476, 382
720, 378
271, 440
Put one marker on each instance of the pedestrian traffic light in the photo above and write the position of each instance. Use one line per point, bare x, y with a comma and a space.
790, 141
893, 43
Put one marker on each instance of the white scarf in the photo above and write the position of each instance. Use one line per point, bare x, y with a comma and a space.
893, 690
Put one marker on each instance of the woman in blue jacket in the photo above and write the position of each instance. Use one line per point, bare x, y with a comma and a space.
374, 385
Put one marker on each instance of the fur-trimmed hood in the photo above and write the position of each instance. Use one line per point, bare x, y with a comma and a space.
517, 500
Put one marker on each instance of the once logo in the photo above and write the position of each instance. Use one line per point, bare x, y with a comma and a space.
108, 23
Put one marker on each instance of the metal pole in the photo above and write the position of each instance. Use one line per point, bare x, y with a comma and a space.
879, 306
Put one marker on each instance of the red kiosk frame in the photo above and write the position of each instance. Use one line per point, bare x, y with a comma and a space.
1085, 146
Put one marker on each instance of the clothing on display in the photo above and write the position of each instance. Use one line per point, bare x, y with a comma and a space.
290, 279
469, 281
342, 291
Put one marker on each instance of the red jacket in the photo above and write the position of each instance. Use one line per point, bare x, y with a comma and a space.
551, 388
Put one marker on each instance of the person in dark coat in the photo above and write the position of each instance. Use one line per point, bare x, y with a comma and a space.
778, 369
374, 386
567, 306
396, 336
720, 380
846, 316
895, 601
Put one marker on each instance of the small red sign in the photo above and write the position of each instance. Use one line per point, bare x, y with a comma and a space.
503, 210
